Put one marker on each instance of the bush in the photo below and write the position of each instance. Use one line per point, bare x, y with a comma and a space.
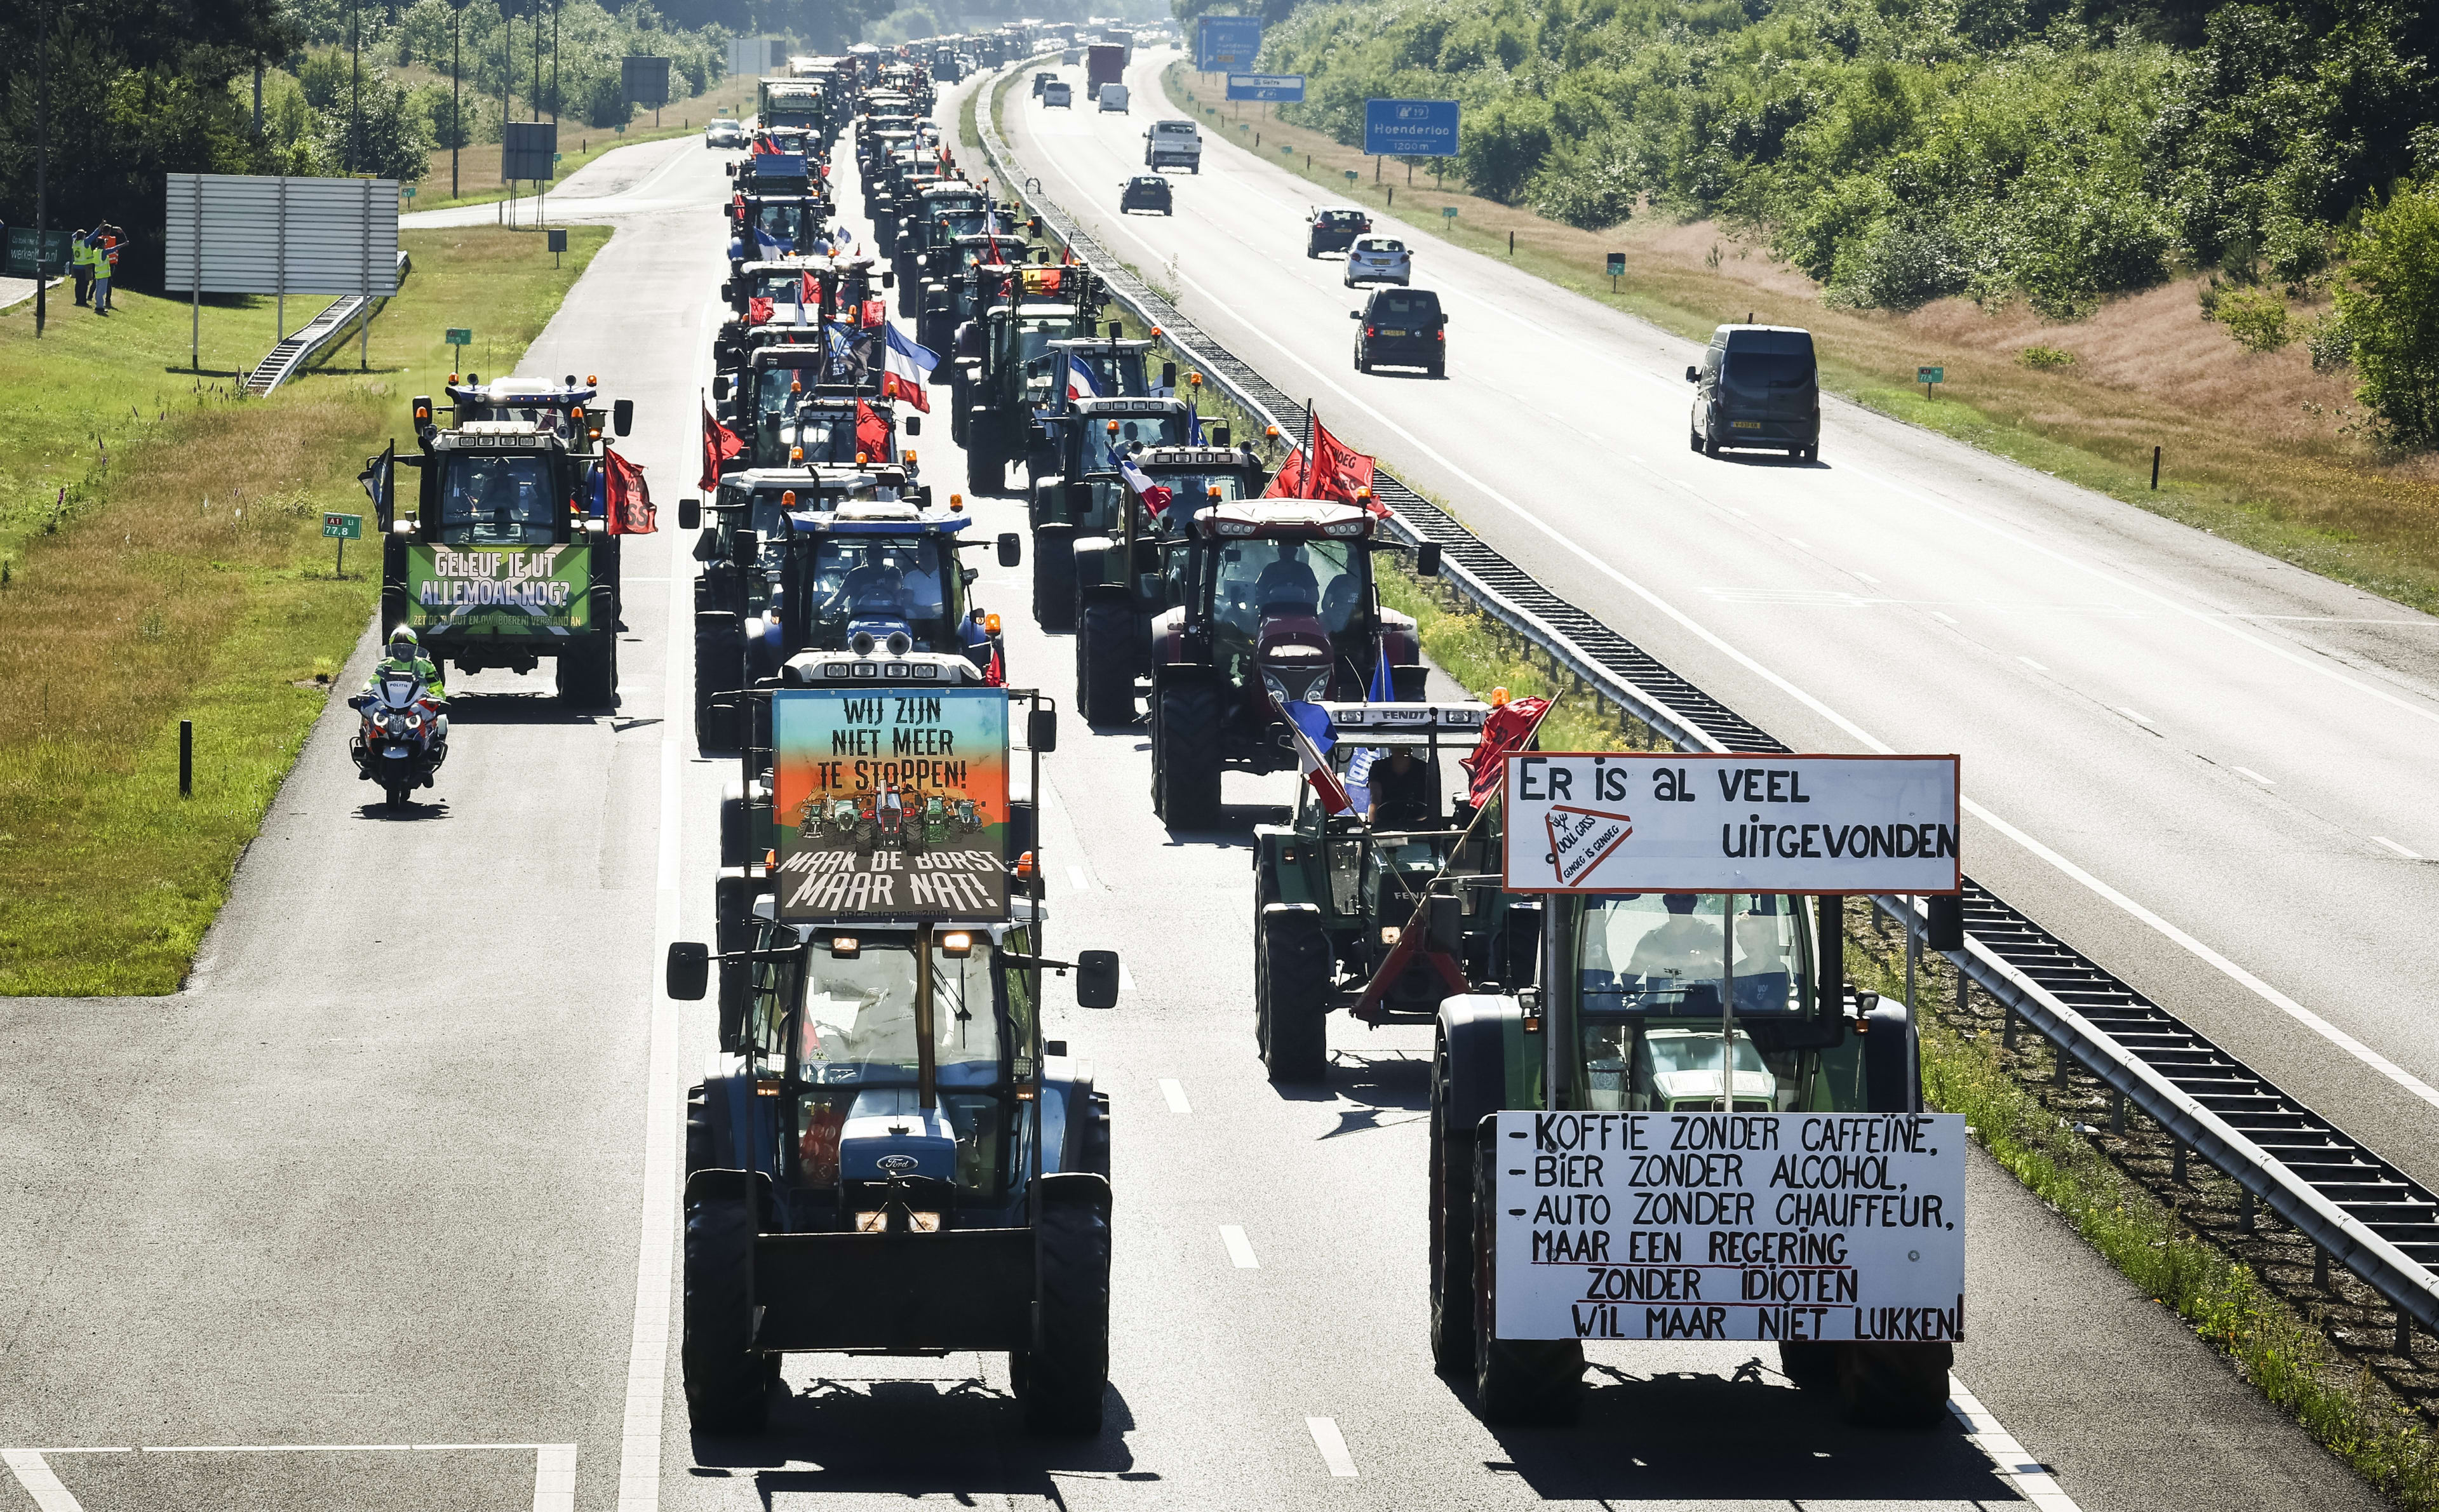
2044, 357
2255, 317
1503, 146
2390, 306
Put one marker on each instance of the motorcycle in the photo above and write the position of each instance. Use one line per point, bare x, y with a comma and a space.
403, 738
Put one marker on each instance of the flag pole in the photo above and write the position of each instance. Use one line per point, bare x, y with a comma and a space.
1311, 419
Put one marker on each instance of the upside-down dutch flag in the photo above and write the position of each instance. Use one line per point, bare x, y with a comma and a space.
1157, 497
1079, 379
905, 368
1308, 726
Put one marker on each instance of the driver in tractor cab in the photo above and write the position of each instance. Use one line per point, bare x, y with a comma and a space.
1287, 583
1401, 793
873, 585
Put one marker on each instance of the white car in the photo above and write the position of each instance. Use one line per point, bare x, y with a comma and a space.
1378, 260
724, 133
1114, 99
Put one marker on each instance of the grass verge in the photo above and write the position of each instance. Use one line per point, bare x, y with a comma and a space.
215, 602
478, 167
2258, 448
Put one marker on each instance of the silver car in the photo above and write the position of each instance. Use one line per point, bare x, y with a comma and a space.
1378, 260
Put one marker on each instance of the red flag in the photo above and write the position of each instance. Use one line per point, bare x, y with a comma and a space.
1508, 729
629, 498
995, 674
871, 433
1342, 472
876, 314
719, 443
757, 312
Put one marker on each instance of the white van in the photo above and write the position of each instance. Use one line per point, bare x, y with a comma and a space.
1173, 144
1114, 98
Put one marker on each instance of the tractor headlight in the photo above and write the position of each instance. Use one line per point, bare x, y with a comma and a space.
923, 1223
872, 1222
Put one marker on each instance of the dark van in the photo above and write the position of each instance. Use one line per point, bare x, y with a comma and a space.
1757, 387
1402, 327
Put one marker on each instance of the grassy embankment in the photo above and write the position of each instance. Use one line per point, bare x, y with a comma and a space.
2181, 1245
478, 167
160, 544
2258, 448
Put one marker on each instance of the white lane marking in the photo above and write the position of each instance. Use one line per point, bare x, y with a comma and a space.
1241, 1249
2234, 972
1126, 978
2034, 664
36, 1477
2033, 1478
1943, 619
2394, 846
555, 1479
1875, 582
2255, 776
1172, 1090
2136, 715
1084, 884
1332, 1444
1800, 546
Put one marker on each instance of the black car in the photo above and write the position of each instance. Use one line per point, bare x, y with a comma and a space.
1334, 230
1402, 327
1146, 191
1757, 386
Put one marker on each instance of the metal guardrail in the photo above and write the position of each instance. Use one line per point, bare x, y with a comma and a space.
2359, 1210
304, 346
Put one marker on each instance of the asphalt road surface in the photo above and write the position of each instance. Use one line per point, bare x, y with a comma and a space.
2206, 769
380, 1212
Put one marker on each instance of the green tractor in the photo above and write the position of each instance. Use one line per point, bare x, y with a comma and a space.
502, 563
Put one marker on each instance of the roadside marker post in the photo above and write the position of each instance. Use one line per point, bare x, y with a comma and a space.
1616, 268
186, 758
1928, 375
558, 240
343, 529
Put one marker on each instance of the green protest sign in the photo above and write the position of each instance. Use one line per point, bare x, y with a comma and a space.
498, 589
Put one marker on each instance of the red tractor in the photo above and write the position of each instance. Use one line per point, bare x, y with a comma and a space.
1273, 603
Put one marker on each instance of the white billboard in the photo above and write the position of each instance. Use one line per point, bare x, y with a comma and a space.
1730, 1226
241, 234
1635, 821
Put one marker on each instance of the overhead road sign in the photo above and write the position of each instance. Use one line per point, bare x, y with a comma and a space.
1222, 43
1410, 128
1284, 88
1636, 822
240, 233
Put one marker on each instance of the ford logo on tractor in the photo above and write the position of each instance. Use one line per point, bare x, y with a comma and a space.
896, 1165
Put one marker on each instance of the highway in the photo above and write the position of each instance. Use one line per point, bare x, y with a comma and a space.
381, 1211
2202, 767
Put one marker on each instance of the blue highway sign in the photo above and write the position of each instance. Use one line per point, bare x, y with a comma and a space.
1227, 42
1410, 128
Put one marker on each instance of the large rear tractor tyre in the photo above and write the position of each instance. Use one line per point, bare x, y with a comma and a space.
587, 672
1062, 1379
1105, 672
1294, 984
1054, 576
985, 469
718, 666
1185, 759
1811, 1364
1515, 1380
1451, 1200
727, 1386
1895, 1385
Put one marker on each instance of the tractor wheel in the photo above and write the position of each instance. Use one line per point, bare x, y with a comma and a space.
1895, 1385
727, 1386
588, 672
1451, 1200
698, 1130
719, 658
1185, 757
1515, 1380
1295, 981
1811, 1366
1105, 673
986, 469
1054, 576
1063, 1377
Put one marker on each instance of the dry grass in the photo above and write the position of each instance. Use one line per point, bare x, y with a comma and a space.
192, 581
478, 167
2256, 447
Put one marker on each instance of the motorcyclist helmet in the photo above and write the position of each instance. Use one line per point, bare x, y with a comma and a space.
405, 646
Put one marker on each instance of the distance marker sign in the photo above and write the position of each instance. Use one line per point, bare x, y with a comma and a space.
1718, 1226
1635, 821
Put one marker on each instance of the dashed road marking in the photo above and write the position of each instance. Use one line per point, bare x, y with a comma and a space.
1241, 1249
2033, 1478
2136, 715
1176, 1096
554, 1466
1332, 1444
2255, 776
2391, 844
1076, 875
2034, 664
1869, 578
36, 1477
1945, 619
1126, 978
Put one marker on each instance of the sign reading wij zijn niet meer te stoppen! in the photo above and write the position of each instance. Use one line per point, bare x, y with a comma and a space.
1730, 1226
891, 805
1632, 822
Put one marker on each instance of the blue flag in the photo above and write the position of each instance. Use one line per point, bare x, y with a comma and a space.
1383, 689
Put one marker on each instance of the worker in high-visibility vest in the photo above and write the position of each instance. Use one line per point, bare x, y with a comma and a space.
80, 260
106, 267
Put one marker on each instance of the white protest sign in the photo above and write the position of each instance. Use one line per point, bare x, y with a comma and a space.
1635, 821
1730, 1226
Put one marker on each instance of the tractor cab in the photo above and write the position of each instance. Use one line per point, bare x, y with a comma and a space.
797, 405
768, 226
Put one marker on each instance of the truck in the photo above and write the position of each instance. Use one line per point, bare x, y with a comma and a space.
797, 103
1105, 62
500, 561
1173, 144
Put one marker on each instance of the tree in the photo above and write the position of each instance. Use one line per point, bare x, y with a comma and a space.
2389, 305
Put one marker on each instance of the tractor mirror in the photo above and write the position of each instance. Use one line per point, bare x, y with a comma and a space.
1427, 559
1096, 979
689, 971
889, 280
1080, 497
1117, 330
914, 424
719, 388
727, 293
1945, 929
1169, 374
745, 547
1693, 374
1447, 924
1219, 435
689, 514
1354, 314
1011, 548
622, 416
1042, 731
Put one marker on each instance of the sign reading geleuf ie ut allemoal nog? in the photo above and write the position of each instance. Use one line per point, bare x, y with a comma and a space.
1721, 1226
1632, 822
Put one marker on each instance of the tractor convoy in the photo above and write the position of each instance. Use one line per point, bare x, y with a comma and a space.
1615, 953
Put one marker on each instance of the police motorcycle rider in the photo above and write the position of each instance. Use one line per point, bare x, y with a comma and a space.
405, 658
